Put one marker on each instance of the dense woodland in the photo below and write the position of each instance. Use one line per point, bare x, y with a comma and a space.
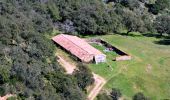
28, 67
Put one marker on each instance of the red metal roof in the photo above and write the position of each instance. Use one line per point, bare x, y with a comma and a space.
77, 46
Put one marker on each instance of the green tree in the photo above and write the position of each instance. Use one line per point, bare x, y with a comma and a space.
2, 91
162, 4
132, 4
4, 74
159, 6
65, 85
132, 22
115, 21
148, 23
83, 76
53, 11
162, 24
103, 96
115, 94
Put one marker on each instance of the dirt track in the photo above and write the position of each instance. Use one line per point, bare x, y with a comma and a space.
98, 84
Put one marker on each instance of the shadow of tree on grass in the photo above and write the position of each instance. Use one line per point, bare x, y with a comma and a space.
130, 34
163, 42
156, 35
152, 35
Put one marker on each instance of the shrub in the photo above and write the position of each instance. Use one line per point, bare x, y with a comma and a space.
83, 76
103, 96
2, 91
139, 96
115, 94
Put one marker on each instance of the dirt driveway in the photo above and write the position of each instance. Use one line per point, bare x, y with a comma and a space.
98, 84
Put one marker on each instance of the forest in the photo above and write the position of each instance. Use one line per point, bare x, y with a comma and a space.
28, 66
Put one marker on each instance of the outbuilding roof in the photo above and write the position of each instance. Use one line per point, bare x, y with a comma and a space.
77, 46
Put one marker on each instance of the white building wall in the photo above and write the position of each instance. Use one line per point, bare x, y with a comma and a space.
100, 58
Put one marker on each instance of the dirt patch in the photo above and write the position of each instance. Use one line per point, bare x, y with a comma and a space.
67, 66
149, 68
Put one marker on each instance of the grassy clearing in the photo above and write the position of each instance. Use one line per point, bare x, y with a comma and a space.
148, 72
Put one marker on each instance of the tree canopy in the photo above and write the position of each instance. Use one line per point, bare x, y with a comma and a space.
162, 24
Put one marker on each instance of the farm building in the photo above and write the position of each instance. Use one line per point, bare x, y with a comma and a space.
79, 48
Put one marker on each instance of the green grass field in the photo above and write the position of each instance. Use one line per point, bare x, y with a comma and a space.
147, 72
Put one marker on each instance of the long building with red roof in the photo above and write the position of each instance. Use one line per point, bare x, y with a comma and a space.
79, 48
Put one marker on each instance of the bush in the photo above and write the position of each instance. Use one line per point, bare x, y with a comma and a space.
139, 96
83, 76
103, 96
12, 98
115, 94
159, 6
53, 11
2, 91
